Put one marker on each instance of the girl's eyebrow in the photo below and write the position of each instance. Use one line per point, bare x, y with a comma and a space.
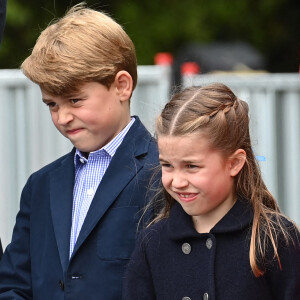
162, 159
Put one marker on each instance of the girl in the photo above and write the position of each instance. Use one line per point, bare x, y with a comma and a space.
220, 234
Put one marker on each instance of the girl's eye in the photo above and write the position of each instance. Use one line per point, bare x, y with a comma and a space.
164, 165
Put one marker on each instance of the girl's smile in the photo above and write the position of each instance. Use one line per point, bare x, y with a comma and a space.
198, 177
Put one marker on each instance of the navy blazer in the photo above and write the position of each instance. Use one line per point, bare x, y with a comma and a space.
36, 264
173, 261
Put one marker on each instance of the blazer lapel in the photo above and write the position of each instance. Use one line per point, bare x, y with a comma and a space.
123, 167
61, 198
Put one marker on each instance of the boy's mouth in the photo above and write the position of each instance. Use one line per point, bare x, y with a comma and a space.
73, 131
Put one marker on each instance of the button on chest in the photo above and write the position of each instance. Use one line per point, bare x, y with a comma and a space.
186, 248
209, 243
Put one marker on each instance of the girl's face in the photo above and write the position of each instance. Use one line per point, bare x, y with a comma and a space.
198, 177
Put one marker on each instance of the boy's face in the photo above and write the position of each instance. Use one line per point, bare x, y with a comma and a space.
90, 118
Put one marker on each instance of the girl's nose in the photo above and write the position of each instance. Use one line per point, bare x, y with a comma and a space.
179, 181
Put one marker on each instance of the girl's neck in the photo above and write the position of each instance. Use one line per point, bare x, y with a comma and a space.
204, 223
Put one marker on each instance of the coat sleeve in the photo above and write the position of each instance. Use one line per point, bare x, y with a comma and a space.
138, 283
15, 273
285, 282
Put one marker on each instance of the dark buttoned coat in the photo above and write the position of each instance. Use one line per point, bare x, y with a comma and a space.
36, 265
173, 261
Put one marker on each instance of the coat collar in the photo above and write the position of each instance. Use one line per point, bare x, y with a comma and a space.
180, 224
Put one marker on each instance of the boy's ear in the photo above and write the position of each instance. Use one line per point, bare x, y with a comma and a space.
124, 84
237, 161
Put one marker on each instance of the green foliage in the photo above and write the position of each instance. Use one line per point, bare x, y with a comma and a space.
271, 26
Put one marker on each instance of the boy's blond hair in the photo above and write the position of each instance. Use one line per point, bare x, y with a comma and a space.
83, 46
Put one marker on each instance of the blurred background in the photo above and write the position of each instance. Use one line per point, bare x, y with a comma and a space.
271, 27
253, 46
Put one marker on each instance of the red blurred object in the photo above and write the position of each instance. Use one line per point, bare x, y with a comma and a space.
190, 68
163, 58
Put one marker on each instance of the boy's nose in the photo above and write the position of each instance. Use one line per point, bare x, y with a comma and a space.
64, 116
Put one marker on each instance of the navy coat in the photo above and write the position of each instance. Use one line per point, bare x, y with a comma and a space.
36, 264
172, 261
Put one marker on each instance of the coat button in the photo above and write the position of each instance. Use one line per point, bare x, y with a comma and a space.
61, 285
186, 248
205, 296
186, 298
209, 243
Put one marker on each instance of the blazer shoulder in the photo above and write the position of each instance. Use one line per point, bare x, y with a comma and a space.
55, 164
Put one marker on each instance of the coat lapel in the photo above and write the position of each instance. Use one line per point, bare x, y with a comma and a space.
61, 197
123, 167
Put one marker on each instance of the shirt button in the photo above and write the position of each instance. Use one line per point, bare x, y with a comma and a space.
186, 298
61, 285
82, 160
205, 296
186, 248
209, 243
90, 192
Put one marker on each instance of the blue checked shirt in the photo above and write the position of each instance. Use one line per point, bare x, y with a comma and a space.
88, 175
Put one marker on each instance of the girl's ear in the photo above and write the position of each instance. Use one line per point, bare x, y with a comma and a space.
237, 161
124, 84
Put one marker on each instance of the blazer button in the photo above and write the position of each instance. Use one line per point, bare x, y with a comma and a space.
76, 276
186, 298
61, 285
209, 243
186, 249
205, 296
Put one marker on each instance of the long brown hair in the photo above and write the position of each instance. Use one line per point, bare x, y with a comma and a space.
216, 110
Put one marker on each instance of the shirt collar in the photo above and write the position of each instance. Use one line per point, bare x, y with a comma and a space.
109, 149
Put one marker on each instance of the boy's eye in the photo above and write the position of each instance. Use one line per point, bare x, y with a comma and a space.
191, 166
73, 101
50, 104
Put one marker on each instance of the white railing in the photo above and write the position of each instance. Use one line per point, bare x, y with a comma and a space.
29, 140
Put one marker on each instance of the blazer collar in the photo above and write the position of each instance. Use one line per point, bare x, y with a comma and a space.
124, 166
180, 224
61, 197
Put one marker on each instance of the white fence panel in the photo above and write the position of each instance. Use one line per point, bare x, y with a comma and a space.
29, 140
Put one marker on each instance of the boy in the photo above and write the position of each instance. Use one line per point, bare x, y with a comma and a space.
78, 216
